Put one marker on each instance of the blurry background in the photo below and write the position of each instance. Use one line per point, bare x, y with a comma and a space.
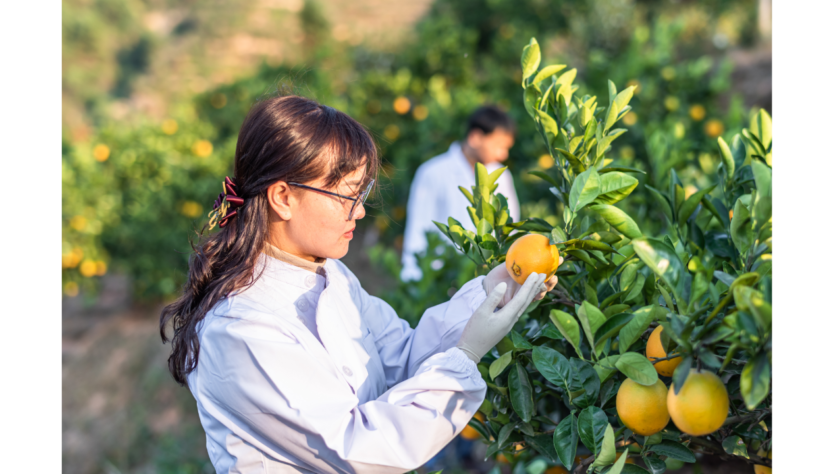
154, 92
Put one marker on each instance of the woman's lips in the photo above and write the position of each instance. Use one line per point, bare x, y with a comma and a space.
349, 235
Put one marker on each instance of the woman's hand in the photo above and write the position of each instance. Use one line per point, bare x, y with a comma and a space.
499, 274
486, 327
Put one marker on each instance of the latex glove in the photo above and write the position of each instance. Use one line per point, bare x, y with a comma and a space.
487, 327
501, 274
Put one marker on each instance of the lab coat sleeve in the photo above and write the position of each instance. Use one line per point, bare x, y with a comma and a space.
258, 379
402, 350
422, 201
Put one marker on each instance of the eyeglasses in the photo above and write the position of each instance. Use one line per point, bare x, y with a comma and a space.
356, 200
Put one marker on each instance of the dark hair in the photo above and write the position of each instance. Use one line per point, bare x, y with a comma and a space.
489, 117
288, 138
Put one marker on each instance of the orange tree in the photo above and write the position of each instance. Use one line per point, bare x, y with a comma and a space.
555, 381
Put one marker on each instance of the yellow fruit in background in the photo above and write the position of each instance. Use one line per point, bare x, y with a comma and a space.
531, 253
88, 268
702, 405
470, 433
697, 112
763, 469
557, 470
169, 127
391, 132
401, 105
630, 119
101, 152
714, 128
546, 161
643, 408
655, 351
420, 113
202, 148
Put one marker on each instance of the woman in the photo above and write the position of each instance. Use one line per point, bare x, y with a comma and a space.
294, 367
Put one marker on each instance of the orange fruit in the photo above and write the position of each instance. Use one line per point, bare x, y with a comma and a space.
470, 433
702, 405
643, 408
714, 128
557, 470
763, 469
655, 351
531, 253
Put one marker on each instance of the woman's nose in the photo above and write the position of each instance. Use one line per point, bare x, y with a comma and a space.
359, 212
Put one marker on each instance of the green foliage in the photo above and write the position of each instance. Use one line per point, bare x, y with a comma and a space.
707, 282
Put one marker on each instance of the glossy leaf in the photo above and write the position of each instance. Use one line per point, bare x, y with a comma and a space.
547, 72
637, 367
530, 58
661, 259
565, 440
674, 450
728, 158
735, 446
591, 319
592, 423
690, 204
654, 464
607, 452
586, 188
520, 393
553, 366
643, 317
615, 186
680, 374
611, 328
618, 219
500, 364
606, 367
584, 378
755, 380
568, 326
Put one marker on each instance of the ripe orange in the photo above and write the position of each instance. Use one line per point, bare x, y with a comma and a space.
763, 469
470, 433
714, 128
557, 470
643, 409
655, 351
531, 253
702, 405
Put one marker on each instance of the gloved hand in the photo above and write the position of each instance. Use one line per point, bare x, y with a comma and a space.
501, 274
487, 327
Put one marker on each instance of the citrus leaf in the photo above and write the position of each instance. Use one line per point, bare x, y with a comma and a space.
728, 158
611, 328
500, 364
615, 186
690, 204
530, 58
585, 189
592, 423
567, 326
755, 379
591, 319
607, 452
663, 201
735, 446
673, 450
565, 440
662, 260
547, 71
553, 366
520, 393
545, 177
618, 219
637, 368
643, 317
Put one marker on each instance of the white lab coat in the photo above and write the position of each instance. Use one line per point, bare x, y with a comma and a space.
309, 373
435, 196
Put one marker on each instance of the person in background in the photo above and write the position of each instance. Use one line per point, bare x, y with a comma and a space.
435, 193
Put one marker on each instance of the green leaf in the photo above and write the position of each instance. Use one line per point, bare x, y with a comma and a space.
591, 319
549, 124
728, 158
584, 378
690, 204
567, 78
553, 366
606, 367
630, 469
662, 260
504, 433
520, 343
520, 393
612, 116
643, 317
543, 443
741, 228
545, 177
500, 364
618, 219
673, 450
585, 189
663, 201
611, 169
638, 368
547, 71
755, 379
530, 58
654, 464
619, 465
592, 423
611, 89
483, 228
577, 165
680, 374
735, 446
607, 453
531, 96
615, 186
752, 301
588, 108
611, 328
567, 326
565, 440
761, 127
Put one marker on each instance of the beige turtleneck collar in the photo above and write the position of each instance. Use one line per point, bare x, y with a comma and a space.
315, 267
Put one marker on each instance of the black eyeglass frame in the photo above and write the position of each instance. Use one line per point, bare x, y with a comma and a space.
362, 197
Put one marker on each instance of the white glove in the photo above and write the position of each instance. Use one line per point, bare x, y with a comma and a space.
487, 327
500, 274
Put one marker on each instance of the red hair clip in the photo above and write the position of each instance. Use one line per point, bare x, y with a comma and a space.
228, 199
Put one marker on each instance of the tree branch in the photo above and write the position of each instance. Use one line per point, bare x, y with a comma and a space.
718, 451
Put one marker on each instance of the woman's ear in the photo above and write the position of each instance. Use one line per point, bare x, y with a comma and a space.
279, 196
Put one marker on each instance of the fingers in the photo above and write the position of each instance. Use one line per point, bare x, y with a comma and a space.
550, 284
494, 297
531, 287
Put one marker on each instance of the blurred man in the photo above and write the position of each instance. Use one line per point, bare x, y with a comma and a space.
434, 194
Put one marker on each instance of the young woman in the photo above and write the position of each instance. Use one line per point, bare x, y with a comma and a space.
294, 367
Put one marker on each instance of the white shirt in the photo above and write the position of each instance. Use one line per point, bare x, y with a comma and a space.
304, 372
435, 196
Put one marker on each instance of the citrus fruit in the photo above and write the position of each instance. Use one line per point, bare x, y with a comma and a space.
470, 433
643, 408
702, 405
557, 470
655, 351
763, 469
531, 253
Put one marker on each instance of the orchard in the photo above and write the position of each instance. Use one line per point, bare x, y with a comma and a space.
651, 348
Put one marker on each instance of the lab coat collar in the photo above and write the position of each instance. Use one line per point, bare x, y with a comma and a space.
316, 267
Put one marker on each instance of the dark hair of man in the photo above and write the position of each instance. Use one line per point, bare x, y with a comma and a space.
489, 117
